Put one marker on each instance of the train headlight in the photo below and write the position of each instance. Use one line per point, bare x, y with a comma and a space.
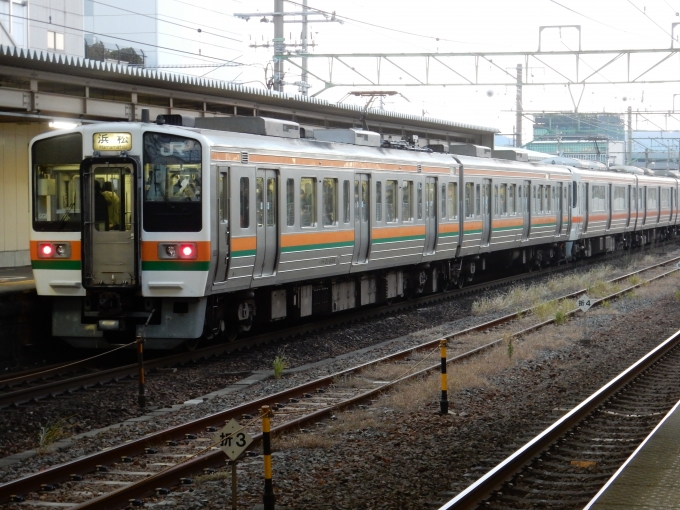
60, 250
171, 251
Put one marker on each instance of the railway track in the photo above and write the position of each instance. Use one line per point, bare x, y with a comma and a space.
46, 382
565, 465
111, 478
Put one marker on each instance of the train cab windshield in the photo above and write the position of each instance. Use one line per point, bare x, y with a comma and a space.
56, 183
172, 183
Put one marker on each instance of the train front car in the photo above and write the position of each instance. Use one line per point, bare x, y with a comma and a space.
119, 237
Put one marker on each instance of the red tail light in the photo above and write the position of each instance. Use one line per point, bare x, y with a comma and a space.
188, 251
46, 250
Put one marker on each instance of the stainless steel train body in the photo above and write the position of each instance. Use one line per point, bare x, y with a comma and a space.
210, 230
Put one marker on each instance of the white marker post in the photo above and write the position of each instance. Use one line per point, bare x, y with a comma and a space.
233, 441
584, 303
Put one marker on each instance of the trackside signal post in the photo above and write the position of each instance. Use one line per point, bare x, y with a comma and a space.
444, 402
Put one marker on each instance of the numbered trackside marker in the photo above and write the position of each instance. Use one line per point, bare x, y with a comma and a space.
232, 440
584, 303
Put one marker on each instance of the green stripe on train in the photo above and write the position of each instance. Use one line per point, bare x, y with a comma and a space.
398, 239
56, 264
243, 253
175, 265
323, 246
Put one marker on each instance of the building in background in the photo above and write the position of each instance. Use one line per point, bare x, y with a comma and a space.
47, 25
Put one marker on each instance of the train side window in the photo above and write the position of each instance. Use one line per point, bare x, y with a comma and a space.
496, 212
549, 190
511, 198
619, 198
599, 200
290, 202
574, 194
452, 200
407, 201
330, 201
419, 205
272, 207
378, 201
478, 198
469, 199
391, 202
665, 199
651, 199
307, 202
345, 201
443, 201
533, 198
244, 206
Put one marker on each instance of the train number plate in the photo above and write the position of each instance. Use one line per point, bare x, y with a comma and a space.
112, 142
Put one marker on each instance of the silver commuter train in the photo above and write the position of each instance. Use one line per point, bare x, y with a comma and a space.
176, 232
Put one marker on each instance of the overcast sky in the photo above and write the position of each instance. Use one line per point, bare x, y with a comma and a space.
463, 26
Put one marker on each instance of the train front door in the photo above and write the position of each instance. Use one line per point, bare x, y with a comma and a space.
430, 215
486, 212
266, 221
109, 226
362, 226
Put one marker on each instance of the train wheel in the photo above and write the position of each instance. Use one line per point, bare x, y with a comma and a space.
191, 345
461, 282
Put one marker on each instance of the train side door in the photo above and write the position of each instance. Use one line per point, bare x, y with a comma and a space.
362, 227
266, 222
110, 226
630, 207
559, 205
643, 204
526, 209
486, 212
430, 215
222, 191
610, 207
586, 206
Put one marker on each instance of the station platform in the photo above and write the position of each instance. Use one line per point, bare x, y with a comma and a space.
16, 279
650, 478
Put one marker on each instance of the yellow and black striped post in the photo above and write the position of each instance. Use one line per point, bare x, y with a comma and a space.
268, 498
444, 402
141, 398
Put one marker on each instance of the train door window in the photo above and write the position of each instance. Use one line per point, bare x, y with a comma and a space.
345, 201
271, 206
503, 200
619, 198
519, 198
378, 201
430, 199
574, 194
443, 201
290, 202
419, 200
552, 200
330, 201
511, 199
533, 198
391, 202
244, 205
259, 201
308, 202
478, 198
365, 192
452, 199
469, 199
407, 201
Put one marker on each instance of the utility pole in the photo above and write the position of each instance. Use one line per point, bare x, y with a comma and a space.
279, 42
518, 122
629, 148
280, 45
304, 84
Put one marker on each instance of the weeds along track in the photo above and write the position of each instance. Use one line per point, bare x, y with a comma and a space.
50, 381
135, 469
564, 466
